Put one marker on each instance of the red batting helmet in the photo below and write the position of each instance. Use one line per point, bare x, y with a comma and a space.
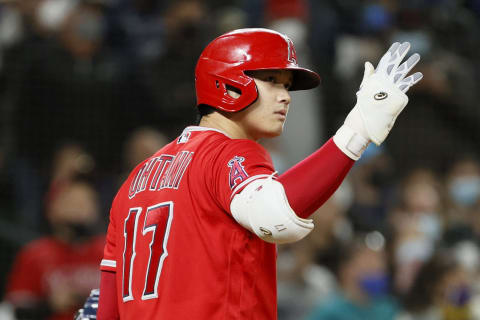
224, 62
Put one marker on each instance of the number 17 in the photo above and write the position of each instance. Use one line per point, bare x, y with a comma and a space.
158, 220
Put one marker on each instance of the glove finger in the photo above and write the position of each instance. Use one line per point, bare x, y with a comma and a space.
405, 67
369, 70
383, 63
394, 47
390, 61
396, 58
400, 53
410, 81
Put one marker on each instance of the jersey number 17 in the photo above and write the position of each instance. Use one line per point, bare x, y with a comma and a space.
157, 221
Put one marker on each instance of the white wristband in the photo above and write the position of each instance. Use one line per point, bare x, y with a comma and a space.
350, 142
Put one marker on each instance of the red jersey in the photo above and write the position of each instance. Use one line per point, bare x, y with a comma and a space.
176, 249
48, 267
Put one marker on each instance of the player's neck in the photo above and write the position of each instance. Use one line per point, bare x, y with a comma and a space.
220, 122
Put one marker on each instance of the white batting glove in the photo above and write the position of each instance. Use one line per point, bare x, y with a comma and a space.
380, 100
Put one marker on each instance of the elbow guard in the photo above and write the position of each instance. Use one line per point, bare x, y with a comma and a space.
262, 207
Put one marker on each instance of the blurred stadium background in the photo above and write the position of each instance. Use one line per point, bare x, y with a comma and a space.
88, 88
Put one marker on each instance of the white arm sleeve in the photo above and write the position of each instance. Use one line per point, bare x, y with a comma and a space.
262, 207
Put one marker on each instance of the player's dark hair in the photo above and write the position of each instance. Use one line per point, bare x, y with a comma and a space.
203, 110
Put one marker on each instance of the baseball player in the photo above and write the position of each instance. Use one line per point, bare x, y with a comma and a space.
194, 228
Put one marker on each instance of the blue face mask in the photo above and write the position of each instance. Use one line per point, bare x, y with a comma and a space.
374, 285
465, 191
460, 296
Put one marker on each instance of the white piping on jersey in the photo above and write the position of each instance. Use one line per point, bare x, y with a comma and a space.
198, 128
250, 179
108, 263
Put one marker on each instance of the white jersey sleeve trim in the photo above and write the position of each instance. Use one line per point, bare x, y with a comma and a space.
108, 263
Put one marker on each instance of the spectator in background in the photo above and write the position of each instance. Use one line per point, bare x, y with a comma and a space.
21, 35
373, 183
68, 83
417, 225
70, 160
52, 276
11, 27
136, 34
297, 281
141, 144
442, 290
462, 233
463, 185
138, 29
332, 224
361, 270
462, 182
24, 219
187, 31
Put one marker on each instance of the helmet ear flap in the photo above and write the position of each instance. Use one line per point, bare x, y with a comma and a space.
233, 92
243, 91
213, 85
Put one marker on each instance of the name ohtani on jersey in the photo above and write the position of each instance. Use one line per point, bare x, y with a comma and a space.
164, 171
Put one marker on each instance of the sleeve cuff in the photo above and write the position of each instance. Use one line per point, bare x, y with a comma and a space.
108, 265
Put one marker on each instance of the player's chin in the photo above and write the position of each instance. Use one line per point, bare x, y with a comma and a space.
275, 131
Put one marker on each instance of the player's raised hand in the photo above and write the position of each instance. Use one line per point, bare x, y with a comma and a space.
380, 100
382, 96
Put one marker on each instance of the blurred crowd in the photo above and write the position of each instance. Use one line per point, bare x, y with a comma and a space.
89, 88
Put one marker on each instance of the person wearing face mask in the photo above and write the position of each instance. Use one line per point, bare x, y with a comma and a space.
417, 225
464, 183
363, 283
463, 190
441, 291
52, 276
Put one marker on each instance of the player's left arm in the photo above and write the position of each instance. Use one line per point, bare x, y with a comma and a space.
380, 100
277, 210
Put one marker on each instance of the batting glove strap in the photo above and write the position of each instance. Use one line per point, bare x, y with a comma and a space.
350, 142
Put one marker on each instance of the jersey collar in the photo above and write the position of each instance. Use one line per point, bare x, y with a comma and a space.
198, 128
